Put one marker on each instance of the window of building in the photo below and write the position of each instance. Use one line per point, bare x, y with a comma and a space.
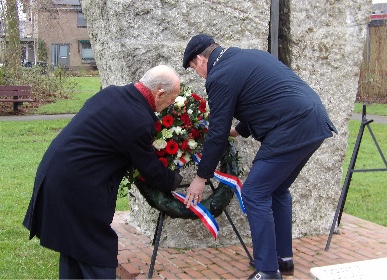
63, 49
81, 22
86, 51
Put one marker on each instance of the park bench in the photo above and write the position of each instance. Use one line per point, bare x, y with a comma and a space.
15, 94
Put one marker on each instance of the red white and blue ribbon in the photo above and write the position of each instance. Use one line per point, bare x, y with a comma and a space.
204, 215
181, 161
232, 182
227, 179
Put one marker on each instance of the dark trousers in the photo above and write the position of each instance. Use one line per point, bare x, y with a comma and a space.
70, 268
268, 204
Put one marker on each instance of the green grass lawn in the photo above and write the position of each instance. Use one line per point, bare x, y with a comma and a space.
367, 197
24, 143
87, 87
372, 109
22, 147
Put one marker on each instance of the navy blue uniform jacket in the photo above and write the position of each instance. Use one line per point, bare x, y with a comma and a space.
271, 102
76, 184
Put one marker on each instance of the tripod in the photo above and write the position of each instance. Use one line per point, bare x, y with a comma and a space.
351, 170
159, 227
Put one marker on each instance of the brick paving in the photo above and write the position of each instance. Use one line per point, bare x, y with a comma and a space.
357, 240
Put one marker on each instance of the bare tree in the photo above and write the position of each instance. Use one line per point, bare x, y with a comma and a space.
12, 34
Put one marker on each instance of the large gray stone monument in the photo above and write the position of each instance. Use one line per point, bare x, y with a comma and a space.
322, 41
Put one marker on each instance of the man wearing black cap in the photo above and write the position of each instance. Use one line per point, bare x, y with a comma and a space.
280, 110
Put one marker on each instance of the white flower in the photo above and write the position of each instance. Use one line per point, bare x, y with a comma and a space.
159, 144
192, 144
189, 111
179, 153
180, 101
178, 130
167, 133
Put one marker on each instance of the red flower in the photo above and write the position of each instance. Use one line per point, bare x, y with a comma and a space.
190, 126
157, 126
185, 119
164, 161
202, 106
196, 97
160, 153
168, 121
195, 133
172, 147
184, 145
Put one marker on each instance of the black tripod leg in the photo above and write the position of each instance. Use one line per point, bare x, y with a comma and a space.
340, 205
344, 191
233, 226
377, 145
238, 235
156, 229
156, 242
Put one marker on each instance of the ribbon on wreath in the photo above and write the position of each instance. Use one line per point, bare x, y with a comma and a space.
182, 160
207, 219
227, 179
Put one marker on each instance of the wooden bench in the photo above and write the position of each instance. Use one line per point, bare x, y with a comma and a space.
15, 94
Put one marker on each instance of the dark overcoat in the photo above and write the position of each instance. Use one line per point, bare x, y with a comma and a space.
76, 184
271, 102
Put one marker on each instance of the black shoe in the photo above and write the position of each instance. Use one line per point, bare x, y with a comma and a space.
286, 267
258, 275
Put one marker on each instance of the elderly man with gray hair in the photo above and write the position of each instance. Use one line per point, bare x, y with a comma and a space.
76, 184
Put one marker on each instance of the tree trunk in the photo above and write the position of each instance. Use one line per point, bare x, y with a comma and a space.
13, 51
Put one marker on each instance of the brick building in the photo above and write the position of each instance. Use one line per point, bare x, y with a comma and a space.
59, 33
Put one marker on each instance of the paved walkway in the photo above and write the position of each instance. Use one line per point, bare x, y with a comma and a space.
36, 117
355, 116
358, 240
377, 119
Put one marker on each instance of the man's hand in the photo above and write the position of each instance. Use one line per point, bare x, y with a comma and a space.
195, 191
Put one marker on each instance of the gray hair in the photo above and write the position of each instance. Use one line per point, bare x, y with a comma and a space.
161, 76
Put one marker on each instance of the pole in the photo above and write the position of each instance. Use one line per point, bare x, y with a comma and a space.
274, 27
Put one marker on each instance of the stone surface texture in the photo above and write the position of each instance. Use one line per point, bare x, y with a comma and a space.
325, 44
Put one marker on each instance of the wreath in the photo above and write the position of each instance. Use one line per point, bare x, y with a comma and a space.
215, 203
180, 134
